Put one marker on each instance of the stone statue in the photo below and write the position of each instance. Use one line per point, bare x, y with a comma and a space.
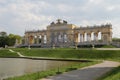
65, 22
52, 23
59, 21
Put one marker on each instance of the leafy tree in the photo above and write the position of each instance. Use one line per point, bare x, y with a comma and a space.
12, 39
9, 40
3, 41
18, 38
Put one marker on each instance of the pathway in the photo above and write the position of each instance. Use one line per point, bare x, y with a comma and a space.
86, 73
17, 53
107, 48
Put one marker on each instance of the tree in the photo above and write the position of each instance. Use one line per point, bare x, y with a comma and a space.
9, 40
12, 39
3, 41
18, 38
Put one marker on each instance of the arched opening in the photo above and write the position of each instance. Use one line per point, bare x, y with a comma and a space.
92, 36
81, 37
89, 37
65, 37
35, 39
45, 39
60, 38
52, 38
40, 39
85, 37
99, 36
31, 39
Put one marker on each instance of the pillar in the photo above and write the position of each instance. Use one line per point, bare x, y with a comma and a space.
26, 40
96, 36
89, 37
81, 37
76, 37
37, 39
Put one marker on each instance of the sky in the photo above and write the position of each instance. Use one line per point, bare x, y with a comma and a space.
18, 16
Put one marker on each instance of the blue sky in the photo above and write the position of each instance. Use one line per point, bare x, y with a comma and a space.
16, 16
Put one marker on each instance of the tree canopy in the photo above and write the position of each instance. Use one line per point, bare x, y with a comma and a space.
9, 40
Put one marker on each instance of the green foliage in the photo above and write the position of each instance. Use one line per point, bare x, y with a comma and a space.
3, 41
8, 39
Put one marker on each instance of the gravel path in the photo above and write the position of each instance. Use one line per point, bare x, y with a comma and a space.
87, 73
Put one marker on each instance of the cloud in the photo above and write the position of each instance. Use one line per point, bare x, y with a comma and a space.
16, 16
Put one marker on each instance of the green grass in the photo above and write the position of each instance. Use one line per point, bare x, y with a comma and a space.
7, 53
112, 75
68, 53
43, 74
72, 53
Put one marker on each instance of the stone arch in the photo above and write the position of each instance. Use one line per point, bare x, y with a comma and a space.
52, 38
65, 37
45, 39
40, 39
99, 35
59, 37
31, 39
35, 39
89, 37
92, 36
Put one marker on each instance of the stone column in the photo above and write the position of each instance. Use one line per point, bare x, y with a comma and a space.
104, 37
57, 38
76, 37
96, 36
37, 39
89, 37
26, 40
42, 39
81, 37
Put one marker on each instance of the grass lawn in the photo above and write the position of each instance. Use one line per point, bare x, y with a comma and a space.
79, 54
71, 53
112, 75
68, 53
43, 74
7, 53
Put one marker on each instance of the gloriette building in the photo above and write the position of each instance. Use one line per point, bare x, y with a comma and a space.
63, 34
